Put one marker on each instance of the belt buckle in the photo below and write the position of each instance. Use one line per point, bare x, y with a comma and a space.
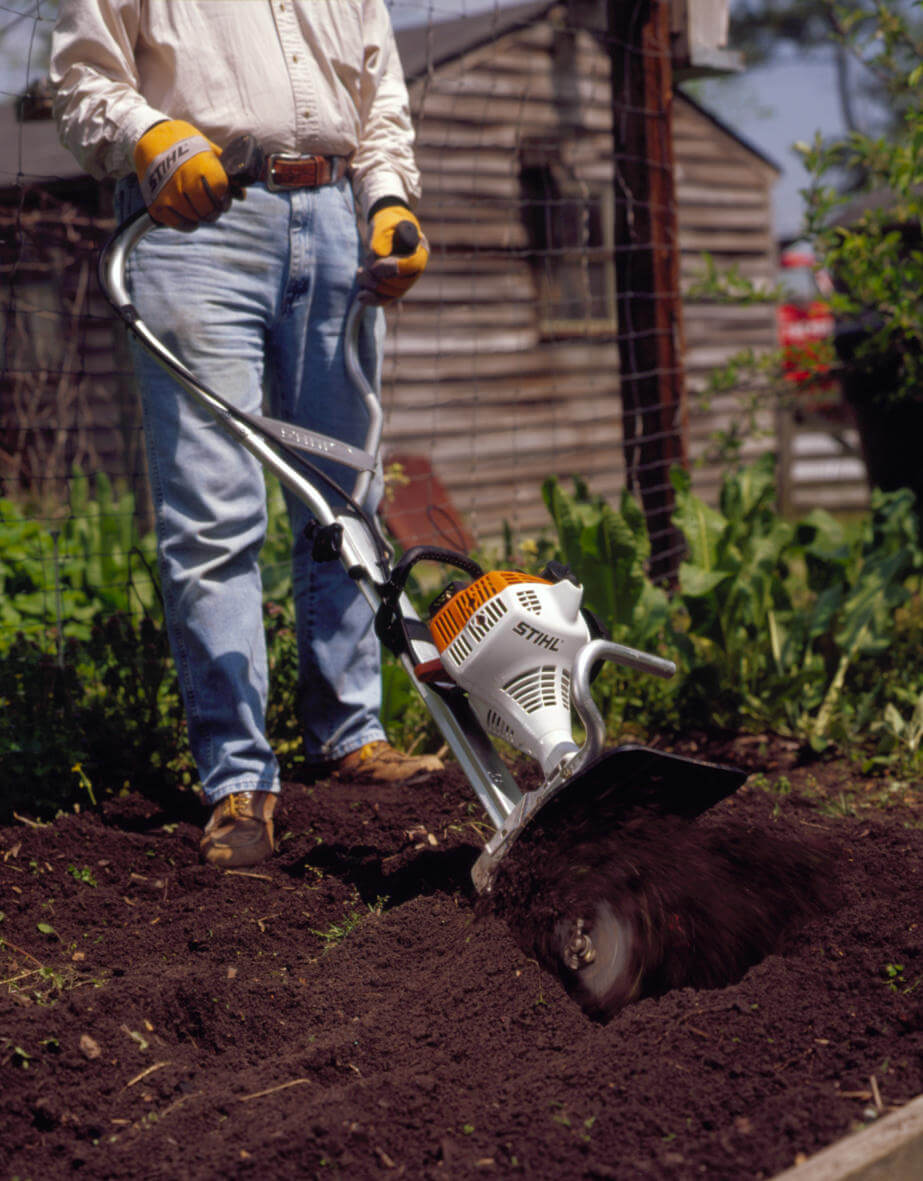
285, 157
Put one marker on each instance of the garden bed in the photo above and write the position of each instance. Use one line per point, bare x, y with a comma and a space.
348, 1010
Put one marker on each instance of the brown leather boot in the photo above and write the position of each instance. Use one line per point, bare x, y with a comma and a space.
379, 760
239, 831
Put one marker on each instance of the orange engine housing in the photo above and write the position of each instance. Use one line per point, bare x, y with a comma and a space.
449, 620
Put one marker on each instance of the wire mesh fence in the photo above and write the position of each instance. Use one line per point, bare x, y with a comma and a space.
570, 193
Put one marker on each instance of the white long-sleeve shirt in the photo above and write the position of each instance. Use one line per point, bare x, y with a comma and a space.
302, 76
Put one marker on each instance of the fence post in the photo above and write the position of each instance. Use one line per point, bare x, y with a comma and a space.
650, 323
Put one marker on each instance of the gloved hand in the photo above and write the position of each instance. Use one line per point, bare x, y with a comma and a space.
182, 179
397, 255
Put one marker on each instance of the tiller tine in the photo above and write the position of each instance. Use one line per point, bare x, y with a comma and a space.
572, 887
606, 792
631, 778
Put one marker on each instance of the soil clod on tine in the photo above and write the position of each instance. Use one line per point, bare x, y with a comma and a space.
658, 903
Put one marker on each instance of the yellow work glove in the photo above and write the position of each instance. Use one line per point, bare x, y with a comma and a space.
397, 255
181, 177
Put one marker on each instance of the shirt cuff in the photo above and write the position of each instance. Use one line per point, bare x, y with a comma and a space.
381, 184
132, 127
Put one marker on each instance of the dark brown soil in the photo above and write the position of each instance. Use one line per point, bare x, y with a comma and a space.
351, 1010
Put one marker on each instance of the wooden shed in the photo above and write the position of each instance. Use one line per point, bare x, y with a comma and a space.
503, 363
67, 402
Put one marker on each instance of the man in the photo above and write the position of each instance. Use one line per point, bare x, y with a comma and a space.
254, 302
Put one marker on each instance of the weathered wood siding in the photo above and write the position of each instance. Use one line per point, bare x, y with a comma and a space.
469, 381
724, 193
67, 402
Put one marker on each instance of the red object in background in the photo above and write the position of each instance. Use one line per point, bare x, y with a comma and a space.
805, 323
417, 509
805, 327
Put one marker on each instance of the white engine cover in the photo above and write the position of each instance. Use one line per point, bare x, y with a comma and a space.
514, 657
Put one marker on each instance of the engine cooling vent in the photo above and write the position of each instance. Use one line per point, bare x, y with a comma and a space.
529, 600
490, 614
535, 689
460, 649
450, 619
565, 688
499, 727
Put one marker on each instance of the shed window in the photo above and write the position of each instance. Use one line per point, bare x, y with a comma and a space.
569, 224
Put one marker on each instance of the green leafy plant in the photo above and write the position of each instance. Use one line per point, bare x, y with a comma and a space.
865, 223
865, 202
608, 549
809, 627
779, 612
774, 623
104, 715
894, 974
56, 577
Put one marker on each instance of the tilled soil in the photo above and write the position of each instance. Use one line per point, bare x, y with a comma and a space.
352, 1009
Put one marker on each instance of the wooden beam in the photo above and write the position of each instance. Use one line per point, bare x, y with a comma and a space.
651, 342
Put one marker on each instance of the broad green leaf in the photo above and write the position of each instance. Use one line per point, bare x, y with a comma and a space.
701, 526
697, 582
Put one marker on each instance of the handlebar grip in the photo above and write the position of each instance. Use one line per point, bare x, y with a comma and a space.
243, 160
406, 239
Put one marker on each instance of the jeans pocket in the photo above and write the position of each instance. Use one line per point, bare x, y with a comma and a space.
348, 197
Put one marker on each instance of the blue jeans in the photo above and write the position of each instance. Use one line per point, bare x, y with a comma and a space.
254, 304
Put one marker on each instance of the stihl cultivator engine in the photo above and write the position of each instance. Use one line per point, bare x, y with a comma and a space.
507, 655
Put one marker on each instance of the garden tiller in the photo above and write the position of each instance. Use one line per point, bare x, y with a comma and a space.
505, 655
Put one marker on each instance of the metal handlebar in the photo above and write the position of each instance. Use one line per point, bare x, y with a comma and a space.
113, 267
587, 710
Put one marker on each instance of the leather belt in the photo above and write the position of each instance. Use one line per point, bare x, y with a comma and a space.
282, 171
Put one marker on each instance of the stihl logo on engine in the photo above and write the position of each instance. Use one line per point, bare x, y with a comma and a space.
540, 638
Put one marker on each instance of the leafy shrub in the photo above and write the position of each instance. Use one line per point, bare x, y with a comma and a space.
89, 698
773, 625
808, 628
778, 613
54, 581
103, 715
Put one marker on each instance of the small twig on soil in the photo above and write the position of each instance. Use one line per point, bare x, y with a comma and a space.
863, 1095
30, 823
22, 976
295, 1082
4, 942
242, 873
144, 1074
177, 1103
385, 1159
876, 1095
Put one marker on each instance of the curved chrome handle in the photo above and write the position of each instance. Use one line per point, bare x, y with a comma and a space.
371, 396
113, 268
113, 261
586, 707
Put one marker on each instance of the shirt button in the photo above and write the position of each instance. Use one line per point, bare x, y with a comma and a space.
294, 57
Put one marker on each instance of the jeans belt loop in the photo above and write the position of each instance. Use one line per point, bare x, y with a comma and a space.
326, 170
